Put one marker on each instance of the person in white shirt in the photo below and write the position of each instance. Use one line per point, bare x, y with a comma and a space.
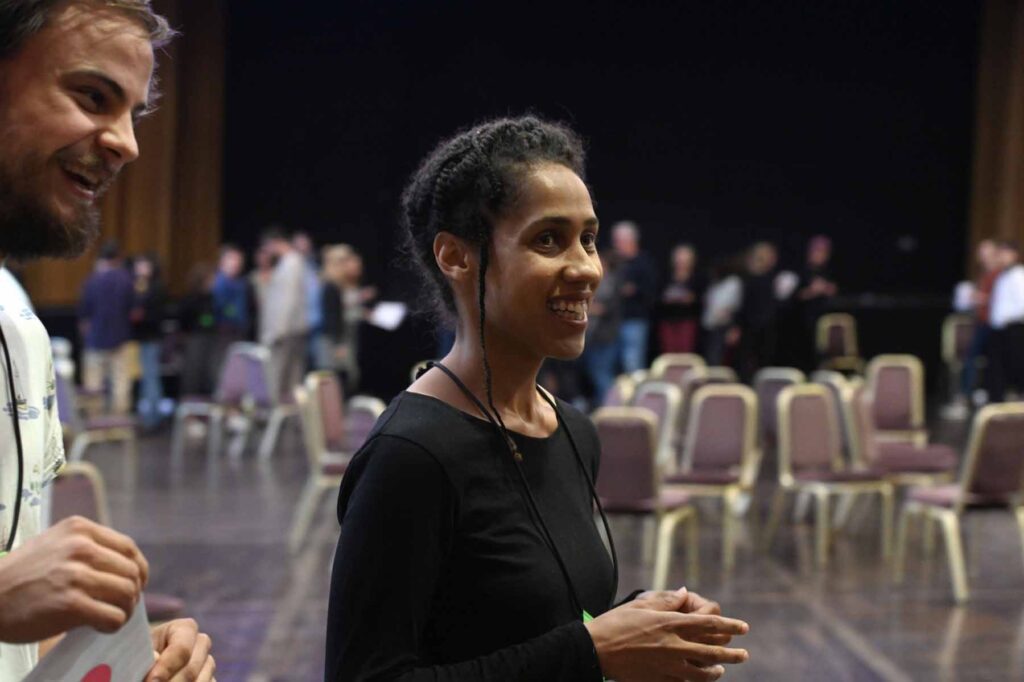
75, 75
1006, 368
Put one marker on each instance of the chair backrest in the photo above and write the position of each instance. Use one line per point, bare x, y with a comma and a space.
808, 432
838, 385
672, 367
328, 408
718, 374
857, 411
312, 437
722, 433
78, 490
896, 384
768, 383
837, 335
361, 415
233, 382
957, 332
629, 439
664, 399
994, 465
621, 392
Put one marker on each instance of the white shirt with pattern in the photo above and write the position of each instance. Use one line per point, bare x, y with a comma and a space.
42, 442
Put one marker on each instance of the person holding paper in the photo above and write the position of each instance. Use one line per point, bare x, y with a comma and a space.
75, 77
469, 549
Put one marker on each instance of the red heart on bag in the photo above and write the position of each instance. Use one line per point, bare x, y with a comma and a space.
101, 673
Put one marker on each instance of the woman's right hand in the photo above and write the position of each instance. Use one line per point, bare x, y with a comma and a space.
650, 639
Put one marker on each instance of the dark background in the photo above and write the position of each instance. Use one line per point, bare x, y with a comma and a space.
716, 123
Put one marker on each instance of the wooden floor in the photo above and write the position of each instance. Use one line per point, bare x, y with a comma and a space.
213, 533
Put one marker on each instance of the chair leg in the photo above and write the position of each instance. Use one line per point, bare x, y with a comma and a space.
929, 532
692, 549
178, 438
304, 513
1019, 513
821, 527
888, 511
648, 537
269, 439
955, 555
78, 447
666, 533
729, 522
215, 434
774, 517
803, 505
901, 542
844, 509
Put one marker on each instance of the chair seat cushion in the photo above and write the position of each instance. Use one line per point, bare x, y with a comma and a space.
110, 421
948, 495
895, 458
334, 468
826, 476
669, 500
704, 477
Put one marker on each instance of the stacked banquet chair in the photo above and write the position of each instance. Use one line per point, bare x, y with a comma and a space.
630, 483
672, 367
78, 490
720, 456
768, 383
332, 431
690, 383
836, 343
809, 460
992, 476
895, 384
82, 430
957, 333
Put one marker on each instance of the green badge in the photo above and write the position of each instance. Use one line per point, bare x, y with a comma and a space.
587, 617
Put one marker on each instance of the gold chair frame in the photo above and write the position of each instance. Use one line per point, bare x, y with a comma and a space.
918, 432
949, 518
664, 361
821, 491
667, 429
852, 362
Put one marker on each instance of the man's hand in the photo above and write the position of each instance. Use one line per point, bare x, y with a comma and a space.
183, 653
75, 573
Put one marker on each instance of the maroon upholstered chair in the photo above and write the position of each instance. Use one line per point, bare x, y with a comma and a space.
836, 343
630, 484
78, 490
672, 367
720, 457
85, 431
896, 386
232, 389
664, 400
332, 432
810, 461
903, 463
992, 476
768, 383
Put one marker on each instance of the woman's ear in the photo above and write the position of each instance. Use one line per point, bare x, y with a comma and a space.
453, 256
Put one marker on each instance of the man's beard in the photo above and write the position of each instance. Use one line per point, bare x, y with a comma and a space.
31, 229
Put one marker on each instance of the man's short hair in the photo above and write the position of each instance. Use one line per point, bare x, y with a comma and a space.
22, 19
273, 233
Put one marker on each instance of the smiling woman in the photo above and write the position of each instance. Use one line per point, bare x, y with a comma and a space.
469, 549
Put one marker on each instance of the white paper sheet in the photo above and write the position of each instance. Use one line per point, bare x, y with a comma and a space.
85, 655
388, 315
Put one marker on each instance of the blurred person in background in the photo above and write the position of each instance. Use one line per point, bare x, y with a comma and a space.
721, 302
638, 289
284, 321
680, 304
975, 298
259, 280
604, 318
814, 292
231, 307
198, 324
75, 77
758, 313
343, 310
1006, 368
303, 244
104, 314
147, 318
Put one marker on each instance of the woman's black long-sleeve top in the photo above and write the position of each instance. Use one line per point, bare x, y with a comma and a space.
442, 573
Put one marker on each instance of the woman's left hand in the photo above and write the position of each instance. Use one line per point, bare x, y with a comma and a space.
695, 604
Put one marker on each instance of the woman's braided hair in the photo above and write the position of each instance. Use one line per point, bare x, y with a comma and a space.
463, 186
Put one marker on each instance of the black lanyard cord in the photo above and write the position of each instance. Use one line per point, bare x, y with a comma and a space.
534, 508
17, 436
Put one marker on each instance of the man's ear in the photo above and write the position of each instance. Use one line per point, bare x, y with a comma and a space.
453, 256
